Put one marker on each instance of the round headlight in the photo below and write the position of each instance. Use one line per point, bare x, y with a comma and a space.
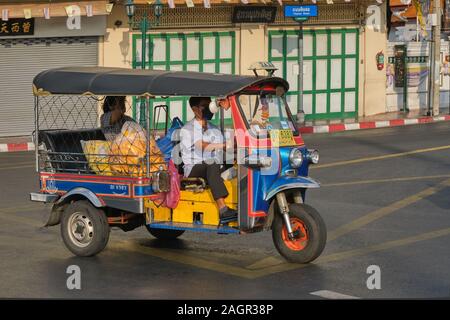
295, 158
313, 156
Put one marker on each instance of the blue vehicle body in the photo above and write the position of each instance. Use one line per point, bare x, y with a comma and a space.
267, 184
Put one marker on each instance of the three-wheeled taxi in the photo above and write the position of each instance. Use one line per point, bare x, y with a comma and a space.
95, 181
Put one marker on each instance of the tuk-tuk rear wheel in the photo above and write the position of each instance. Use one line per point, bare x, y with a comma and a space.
84, 228
164, 234
309, 230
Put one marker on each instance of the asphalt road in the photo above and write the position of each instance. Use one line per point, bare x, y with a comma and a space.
385, 199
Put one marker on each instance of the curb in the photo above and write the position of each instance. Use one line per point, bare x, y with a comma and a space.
371, 124
13, 147
338, 127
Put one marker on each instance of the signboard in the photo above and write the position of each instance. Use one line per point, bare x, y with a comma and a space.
305, 11
17, 27
400, 65
254, 14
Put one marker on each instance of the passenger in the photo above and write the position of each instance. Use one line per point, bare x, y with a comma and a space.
261, 117
200, 140
113, 117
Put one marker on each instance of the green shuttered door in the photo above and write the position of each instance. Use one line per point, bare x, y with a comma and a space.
205, 52
330, 66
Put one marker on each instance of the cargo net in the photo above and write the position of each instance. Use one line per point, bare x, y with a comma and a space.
95, 135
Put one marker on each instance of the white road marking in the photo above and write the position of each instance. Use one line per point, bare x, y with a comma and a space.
327, 294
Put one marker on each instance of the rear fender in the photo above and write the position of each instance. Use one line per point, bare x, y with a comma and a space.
74, 194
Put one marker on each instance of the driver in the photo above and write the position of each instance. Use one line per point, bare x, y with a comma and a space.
200, 141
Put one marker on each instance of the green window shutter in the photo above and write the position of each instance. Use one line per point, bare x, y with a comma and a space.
324, 54
186, 51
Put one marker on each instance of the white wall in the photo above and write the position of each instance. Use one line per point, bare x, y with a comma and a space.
417, 79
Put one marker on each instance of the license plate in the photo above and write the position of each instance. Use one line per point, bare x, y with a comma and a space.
282, 138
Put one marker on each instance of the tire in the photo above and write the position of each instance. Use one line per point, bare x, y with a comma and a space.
164, 234
311, 241
84, 228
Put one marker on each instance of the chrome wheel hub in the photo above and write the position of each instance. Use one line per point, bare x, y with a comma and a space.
81, 229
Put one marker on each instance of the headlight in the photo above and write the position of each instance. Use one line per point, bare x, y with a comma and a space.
313, 156
295, 158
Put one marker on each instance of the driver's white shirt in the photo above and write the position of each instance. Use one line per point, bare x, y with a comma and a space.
192, 132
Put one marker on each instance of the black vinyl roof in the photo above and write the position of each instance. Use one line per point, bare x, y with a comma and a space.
121, 81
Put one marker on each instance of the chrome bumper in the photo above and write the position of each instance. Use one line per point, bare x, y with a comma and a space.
43, 197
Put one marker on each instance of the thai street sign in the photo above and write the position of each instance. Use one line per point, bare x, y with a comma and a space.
300, 13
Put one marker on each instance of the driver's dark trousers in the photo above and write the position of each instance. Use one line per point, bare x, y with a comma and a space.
212, 174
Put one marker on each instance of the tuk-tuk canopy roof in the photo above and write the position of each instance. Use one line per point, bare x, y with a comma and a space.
138, 82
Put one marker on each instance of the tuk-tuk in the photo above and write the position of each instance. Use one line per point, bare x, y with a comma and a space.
93, 189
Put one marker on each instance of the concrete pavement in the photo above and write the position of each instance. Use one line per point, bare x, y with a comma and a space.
385, 199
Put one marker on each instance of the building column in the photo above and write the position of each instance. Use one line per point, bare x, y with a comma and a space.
253, 47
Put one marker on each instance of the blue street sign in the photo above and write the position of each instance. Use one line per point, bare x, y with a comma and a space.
305, 11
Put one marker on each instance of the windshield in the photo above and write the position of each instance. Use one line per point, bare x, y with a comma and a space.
265, 112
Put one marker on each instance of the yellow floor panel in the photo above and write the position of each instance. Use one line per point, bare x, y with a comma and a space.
191, 202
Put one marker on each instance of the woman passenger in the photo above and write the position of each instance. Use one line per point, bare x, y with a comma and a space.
113, 117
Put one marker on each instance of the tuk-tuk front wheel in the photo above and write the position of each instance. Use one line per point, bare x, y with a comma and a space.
309, 230
164, 234
84, 228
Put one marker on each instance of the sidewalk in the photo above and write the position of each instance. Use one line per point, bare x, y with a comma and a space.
11, 144
391, 119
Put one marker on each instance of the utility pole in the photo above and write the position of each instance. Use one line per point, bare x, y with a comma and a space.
300, 111
435, 57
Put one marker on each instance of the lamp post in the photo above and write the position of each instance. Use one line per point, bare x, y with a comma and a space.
145, 25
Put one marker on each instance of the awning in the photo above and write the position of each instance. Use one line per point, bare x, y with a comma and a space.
138, 82
406, 11
57, 9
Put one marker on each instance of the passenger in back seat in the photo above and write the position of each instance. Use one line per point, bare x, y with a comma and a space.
113, 117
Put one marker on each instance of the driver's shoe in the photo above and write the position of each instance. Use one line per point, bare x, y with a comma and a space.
228, 215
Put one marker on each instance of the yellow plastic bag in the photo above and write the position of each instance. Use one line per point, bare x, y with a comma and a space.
128, 151
97, 155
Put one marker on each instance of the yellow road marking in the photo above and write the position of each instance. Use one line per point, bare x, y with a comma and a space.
350, 183
22, 220
264, 267
265, 263
251, 272
17, 167
382, 212
179, 257
18, 163
387, 156
19, 208
5, 214
385, 245
339, 256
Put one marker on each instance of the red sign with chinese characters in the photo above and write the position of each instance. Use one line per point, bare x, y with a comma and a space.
17, 27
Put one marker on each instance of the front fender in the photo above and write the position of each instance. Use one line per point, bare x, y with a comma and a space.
286, 183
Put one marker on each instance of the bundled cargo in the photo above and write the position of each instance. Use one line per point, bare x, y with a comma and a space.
128, 150
97, 155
